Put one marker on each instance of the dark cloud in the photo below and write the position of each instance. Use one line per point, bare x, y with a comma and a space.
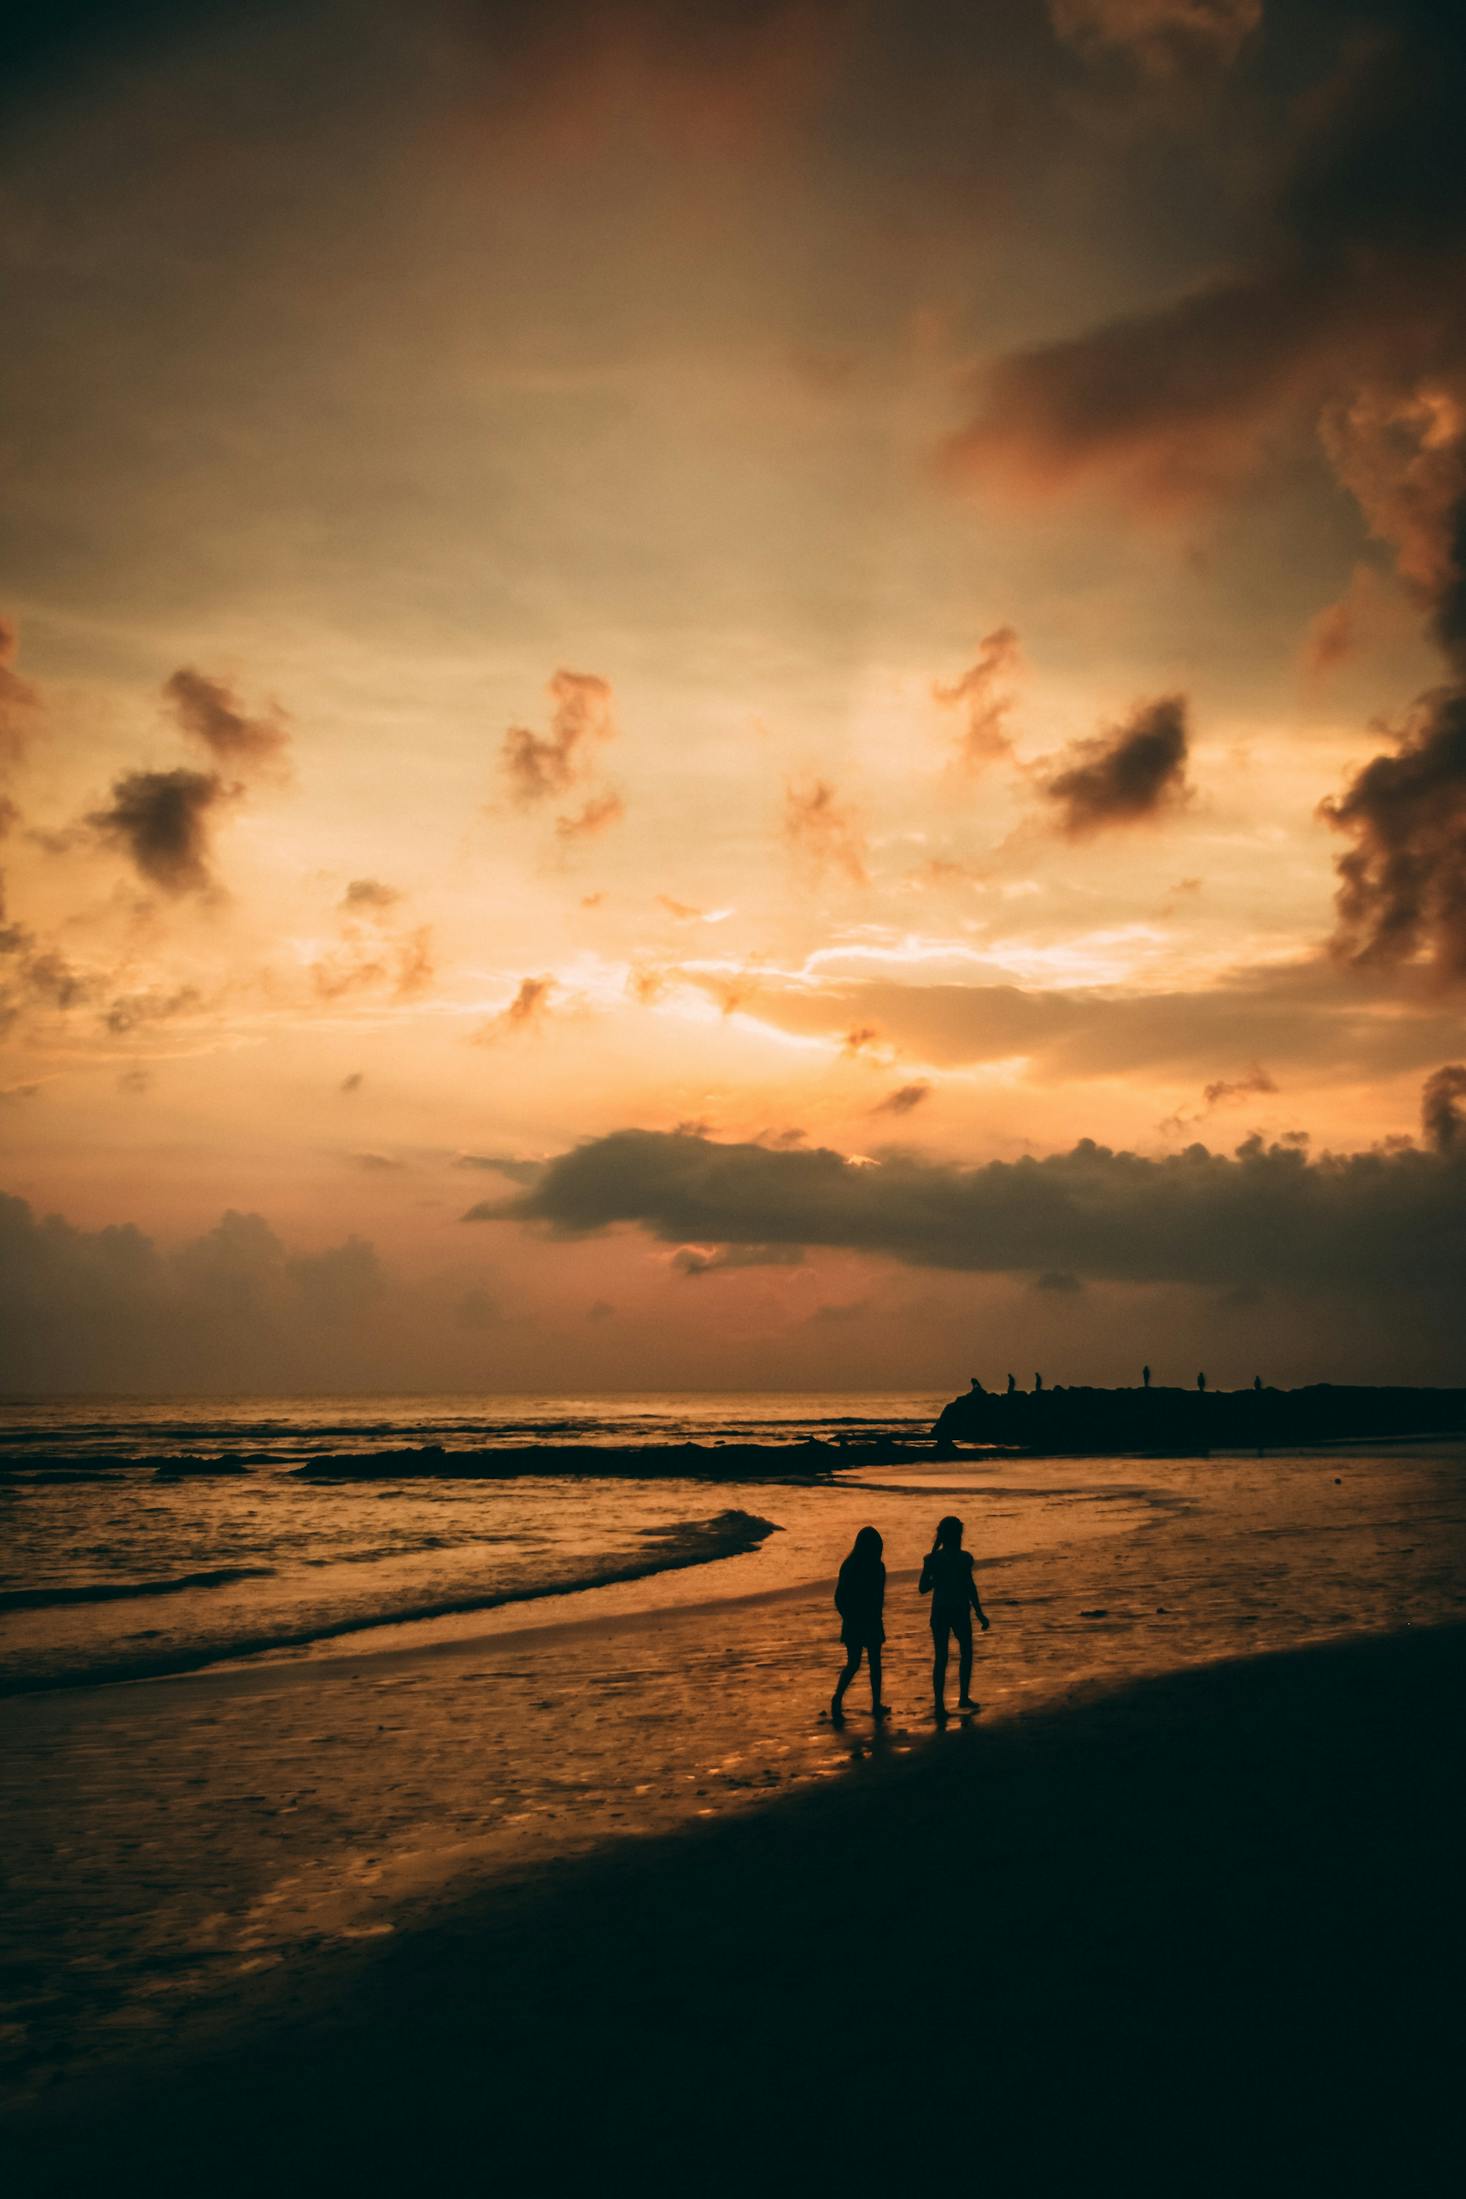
1441, 1109
501, 1164
367, 894
1058, 1282
1402, 886
821, 829
1126, 775
984, 696
541, 764
693, 1260
1371, 1223
162, 821
1353, 283
903, 1100
209, 712
1223, 1089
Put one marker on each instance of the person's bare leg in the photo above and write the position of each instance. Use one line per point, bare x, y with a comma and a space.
852, 1666
873, 1658
964, 1671
939, 1669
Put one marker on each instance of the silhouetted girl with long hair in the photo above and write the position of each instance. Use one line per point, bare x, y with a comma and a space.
946, 1576
860, 1599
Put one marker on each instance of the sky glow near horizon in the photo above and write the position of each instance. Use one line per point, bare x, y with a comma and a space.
785, 577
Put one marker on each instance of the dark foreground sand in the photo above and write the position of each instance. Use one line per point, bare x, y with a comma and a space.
1206, 1932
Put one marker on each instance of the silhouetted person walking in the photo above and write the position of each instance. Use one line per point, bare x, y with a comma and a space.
1012, 1384
860, 1599
946, 1576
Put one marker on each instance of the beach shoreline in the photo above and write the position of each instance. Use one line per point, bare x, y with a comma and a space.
1211, 1900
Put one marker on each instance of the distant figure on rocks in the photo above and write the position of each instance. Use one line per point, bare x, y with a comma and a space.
1038, 1381
860, 1599
1145, 1377
977, 1388
1257, 1383
1201, 1382
946, 1576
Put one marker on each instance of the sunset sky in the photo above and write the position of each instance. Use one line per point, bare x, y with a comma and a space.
686, 691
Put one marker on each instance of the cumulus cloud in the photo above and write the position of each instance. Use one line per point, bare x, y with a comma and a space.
1372, 1222
1402, 886
1133, 772
1443, 1109
163, 822
984, 697
537, 765
903, 1100
209, 712
822, 830
694, 1260
1160, 36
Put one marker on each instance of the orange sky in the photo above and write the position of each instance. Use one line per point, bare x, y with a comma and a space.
791, 577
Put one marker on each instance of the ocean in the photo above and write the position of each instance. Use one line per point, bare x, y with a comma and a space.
139, 1539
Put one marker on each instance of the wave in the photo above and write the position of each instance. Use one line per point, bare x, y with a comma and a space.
677, 1547
41, 1599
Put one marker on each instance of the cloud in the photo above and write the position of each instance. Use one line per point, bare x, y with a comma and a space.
1059, 1282
369, 894
1160, 36
1402, 886
517, 1171
985, 698
903, 1100
528, 1009
694, 1260
597, 814
1131, 773
209, 713
1256, 1080
367, 961
135, 1082
1441, 1114
537, 765
819, 827
1372, 1223
353, 1082
377, 1164
1353, 284
129, 1010
162, 821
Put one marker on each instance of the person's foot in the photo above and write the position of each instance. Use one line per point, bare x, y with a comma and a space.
965, 1702
939, 1712
880, 1710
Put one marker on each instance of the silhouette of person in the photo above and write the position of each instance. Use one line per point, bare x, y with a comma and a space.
1201, 1381
1145, 1377
1038, 1381
1257, 1382
860, 1597
946, 1576
1012, 1384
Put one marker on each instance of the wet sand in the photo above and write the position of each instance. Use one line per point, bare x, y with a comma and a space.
1203, 1930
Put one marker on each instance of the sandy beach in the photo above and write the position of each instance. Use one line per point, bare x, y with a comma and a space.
1216, 1912
375, 1903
